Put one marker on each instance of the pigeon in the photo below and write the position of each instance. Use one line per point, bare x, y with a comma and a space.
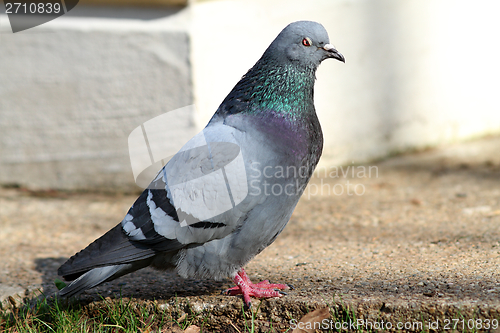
231, 189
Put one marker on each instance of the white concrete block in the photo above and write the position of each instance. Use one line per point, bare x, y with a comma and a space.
73, 90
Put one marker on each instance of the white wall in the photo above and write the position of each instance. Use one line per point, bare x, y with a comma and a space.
418, 72
72, 91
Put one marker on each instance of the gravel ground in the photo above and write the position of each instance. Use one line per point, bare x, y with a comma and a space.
417, 239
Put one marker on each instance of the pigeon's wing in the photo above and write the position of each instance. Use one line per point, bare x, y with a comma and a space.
198, 196
201, 194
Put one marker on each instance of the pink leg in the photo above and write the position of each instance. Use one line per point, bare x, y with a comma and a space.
262, 289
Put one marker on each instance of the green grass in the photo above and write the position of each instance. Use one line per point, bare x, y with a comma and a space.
119, 315
105, 316
129, 315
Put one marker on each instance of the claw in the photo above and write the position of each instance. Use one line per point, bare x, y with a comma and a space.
290, 286
263, 289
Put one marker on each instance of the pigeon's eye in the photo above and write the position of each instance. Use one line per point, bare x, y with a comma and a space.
306, 41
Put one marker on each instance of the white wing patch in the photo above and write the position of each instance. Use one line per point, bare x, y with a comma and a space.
131, 230
163, 223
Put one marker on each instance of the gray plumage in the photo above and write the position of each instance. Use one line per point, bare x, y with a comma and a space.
231, 189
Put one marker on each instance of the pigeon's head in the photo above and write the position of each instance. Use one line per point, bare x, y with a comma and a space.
304, 43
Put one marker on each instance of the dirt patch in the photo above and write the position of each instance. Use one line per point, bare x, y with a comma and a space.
417, 239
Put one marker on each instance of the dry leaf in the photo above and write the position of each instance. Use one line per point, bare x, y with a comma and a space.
416, 202
312, 321
192, 329
181, 318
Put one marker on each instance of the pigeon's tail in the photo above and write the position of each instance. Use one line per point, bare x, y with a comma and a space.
106, 259
93, 278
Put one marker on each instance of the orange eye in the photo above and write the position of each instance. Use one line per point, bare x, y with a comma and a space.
306, 42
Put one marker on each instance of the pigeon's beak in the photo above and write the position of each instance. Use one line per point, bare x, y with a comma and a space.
333, 53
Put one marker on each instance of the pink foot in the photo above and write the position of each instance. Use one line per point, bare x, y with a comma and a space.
262, 289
